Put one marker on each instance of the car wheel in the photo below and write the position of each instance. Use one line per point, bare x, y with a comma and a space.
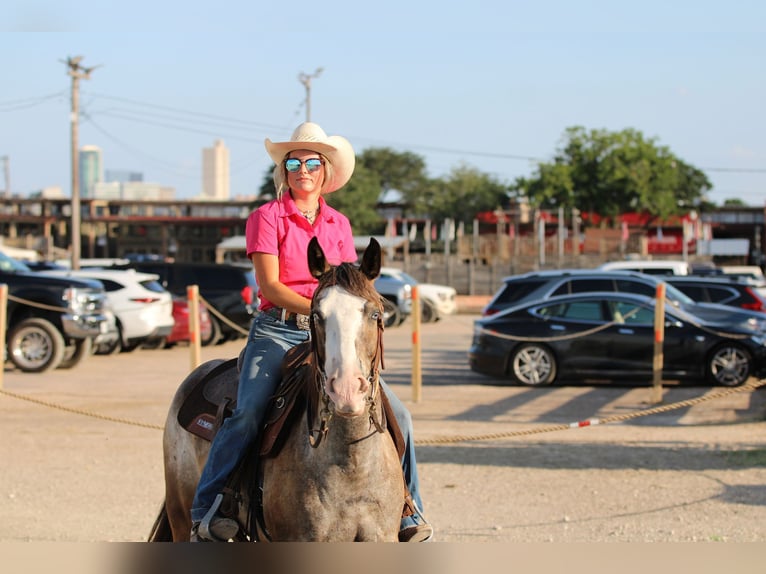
76, 352
35, 346
533, 364
428, 312
215, 333
729, 366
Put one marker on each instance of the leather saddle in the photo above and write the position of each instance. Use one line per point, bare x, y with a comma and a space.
213, 398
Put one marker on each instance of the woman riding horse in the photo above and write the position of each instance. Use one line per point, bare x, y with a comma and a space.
307, 166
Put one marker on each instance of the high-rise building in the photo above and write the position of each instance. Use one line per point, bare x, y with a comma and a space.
91, 169
215, 172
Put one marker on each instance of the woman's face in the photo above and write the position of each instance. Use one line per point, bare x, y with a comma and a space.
303, 180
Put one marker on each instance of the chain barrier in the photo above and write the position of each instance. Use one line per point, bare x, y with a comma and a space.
222, 317
455, 438
36, 304
598, 328
591, 422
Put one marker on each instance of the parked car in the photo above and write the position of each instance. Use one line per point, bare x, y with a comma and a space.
722, 290
227, 288
51, 321
180, 330
542, 284
436, 301
397, 299
143, 307
609, 335
650, 267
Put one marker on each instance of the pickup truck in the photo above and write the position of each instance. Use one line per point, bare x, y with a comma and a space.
52, 322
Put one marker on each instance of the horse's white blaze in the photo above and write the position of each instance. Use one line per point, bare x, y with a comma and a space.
346, 382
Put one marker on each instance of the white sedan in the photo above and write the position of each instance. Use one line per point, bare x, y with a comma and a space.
143, 307
436, 300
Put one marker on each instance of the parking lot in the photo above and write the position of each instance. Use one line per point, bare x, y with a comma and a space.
94, 472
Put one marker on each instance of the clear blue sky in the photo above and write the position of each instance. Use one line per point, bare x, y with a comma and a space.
490, 84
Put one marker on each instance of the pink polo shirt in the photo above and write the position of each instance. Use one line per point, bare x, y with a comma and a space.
278, 228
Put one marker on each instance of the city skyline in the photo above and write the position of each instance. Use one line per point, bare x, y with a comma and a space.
492, 86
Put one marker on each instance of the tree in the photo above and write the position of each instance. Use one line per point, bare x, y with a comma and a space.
402, 171
610, 173
463, 194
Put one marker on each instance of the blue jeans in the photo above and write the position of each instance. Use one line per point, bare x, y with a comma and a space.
268, 341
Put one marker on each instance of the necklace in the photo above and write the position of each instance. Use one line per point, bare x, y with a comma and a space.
310, 214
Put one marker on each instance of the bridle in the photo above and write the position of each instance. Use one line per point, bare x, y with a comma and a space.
317, 433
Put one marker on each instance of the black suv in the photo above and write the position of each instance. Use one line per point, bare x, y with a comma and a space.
722, 290
537, 285
229, 289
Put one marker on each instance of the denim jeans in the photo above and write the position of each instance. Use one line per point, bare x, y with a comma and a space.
268, 341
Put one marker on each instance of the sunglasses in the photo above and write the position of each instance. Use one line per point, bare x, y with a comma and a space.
292, 165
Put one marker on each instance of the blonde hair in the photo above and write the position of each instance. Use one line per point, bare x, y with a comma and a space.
280, 174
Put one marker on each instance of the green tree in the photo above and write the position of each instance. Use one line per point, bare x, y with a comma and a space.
402, 171
462, 194
615, 172
358, 200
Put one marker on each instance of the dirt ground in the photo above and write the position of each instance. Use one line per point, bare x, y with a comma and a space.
694, 474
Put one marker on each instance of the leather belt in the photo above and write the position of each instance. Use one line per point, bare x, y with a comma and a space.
301, 321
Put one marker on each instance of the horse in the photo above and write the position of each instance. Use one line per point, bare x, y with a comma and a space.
337, 475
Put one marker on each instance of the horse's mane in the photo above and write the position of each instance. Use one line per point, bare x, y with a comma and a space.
349, 277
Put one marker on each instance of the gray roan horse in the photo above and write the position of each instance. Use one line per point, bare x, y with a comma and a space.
337, 476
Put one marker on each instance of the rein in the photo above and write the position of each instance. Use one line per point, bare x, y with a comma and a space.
320, 377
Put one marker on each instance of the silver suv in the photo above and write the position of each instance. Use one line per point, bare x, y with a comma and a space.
537, 285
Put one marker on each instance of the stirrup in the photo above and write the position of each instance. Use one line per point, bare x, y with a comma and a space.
216, 528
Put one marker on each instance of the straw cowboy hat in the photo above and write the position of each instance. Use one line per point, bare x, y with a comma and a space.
310, 136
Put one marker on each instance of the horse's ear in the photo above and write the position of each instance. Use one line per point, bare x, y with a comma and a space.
371, 260
318, 264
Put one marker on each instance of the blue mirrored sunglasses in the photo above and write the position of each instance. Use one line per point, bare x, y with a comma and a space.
293, 164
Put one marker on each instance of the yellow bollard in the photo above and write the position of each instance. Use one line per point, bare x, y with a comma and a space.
192, 296
659, 338
416, 374
3, 319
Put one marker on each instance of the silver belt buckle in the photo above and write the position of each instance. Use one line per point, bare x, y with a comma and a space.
303, 322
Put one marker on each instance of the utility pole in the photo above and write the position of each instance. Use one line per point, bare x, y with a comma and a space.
305, 79
7, 173
77, 73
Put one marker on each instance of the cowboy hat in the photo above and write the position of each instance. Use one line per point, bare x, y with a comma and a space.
310, 136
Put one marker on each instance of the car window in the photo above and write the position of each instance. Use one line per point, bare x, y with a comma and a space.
579, 310
632, 314
517, 290
590, 285
110, 286
696, 292
637, 287
152, 285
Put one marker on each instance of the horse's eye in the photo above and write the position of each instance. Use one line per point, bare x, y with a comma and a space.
375, 315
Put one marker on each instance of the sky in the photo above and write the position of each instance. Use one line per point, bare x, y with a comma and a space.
491, 85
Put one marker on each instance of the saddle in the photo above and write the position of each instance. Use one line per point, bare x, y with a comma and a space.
213, 398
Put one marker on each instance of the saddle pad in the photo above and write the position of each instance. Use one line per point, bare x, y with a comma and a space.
215, 391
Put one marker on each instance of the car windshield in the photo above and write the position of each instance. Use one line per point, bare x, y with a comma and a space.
407, 278
11, 264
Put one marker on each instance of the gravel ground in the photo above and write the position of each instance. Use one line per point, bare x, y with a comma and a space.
685, 475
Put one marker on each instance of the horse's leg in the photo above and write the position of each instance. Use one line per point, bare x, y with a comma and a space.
185, 456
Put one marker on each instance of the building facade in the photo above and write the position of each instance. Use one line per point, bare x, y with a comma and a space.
216, 183
91, 170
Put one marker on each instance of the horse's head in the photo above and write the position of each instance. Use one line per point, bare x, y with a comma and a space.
346, 319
